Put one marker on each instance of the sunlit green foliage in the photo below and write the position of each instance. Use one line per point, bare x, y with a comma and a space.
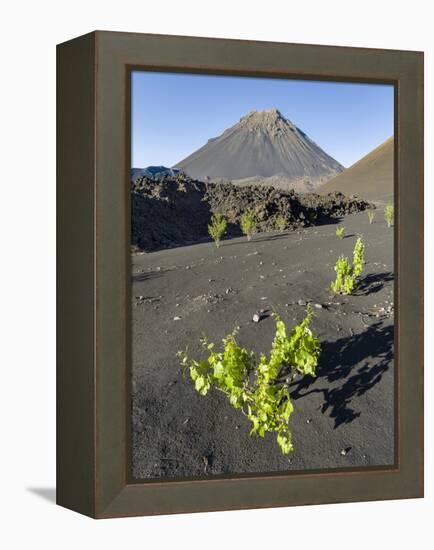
217, 228
340, 232
358, 257
371, 216
347, 274
255, 387
389, 214
344, 282
281, 223
248, 224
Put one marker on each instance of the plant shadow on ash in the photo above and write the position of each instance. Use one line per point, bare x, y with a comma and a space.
266, 236
257, 239
338, 362
373, 282
145, 276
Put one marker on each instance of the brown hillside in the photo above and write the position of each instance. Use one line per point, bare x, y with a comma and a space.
371, 177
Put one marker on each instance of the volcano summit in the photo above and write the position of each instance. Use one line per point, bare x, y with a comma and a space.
263, 147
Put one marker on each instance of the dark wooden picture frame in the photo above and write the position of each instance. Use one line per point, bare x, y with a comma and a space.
93, 365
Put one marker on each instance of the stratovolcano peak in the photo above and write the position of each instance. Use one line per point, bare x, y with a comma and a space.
261, 145
264, 118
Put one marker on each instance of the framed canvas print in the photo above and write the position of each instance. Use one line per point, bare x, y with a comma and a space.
240, 274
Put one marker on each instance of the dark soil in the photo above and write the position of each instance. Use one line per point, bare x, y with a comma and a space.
342, 418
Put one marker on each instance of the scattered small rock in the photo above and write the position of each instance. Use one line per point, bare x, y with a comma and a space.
176, 318
256, 318
318, 306
302, 303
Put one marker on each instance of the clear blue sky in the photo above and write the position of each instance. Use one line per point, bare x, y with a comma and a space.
175, 114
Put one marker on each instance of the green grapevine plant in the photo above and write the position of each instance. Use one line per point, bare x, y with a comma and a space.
371, 216
281, 223
347, 274
389, 214
254, 387
340, 232
217, 228
344, 283
358, 257
248, 224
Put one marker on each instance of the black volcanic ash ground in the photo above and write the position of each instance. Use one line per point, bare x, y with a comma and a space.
342, 418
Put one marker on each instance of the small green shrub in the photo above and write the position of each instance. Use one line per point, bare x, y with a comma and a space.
358, 257
281, 223
344, 283
248, 224
347, 274
371, 216
254, 387
217, 228
389, 214
340, 232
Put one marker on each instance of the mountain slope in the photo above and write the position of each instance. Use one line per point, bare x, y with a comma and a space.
262, 145
371, 177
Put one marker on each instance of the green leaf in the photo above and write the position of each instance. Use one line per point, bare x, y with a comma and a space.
200, 383
219, 370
